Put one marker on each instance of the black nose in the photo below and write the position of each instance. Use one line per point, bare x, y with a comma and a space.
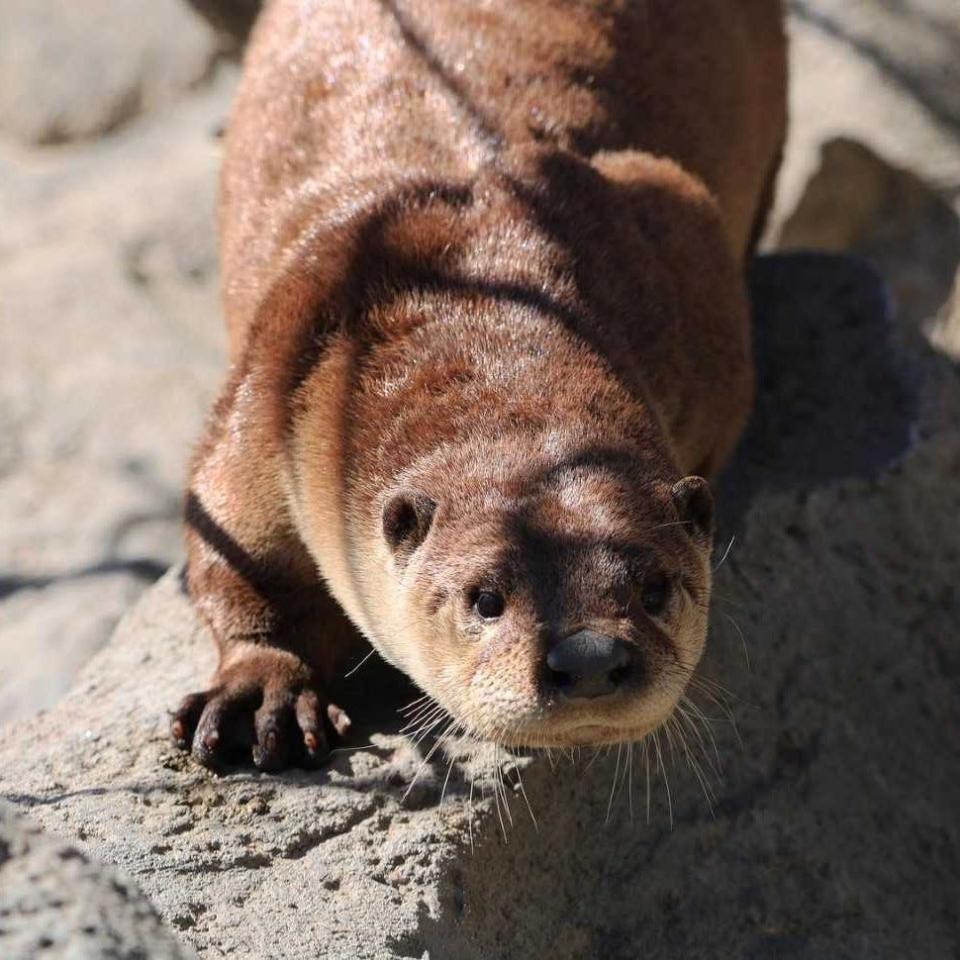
588, 664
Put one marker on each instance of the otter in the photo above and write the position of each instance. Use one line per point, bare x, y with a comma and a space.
483, 271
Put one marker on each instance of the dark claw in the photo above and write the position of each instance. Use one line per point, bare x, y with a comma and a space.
209, 740
310, 721
185, 719
338, 717
270, 755
273, 722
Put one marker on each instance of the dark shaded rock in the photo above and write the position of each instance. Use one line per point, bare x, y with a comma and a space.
233, 19
55, 902
834, 399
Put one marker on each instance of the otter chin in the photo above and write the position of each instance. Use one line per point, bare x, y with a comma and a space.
483, 280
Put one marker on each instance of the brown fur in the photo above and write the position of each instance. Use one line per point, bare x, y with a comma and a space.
483, 268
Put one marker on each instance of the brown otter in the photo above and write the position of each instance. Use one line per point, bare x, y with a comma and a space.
483, 279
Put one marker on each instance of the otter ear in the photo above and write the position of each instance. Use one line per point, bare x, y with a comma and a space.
406, 520
694, 503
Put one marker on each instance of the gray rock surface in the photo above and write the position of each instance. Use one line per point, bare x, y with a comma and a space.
859, 203
73, 70
879, 73
832, 833
54, 902
112, 349
914, 42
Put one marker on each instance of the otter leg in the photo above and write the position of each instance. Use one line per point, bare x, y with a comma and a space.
278, 631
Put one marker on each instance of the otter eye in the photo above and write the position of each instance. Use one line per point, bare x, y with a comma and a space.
489, 604
655, 594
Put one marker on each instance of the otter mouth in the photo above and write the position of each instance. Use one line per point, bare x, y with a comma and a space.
587, 734
613, 719
561, 722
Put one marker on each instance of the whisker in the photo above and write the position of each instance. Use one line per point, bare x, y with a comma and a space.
714, 595
426, 759
663, 770
596, 753
470, 807
646, 763
353, 670
695, 713
693, 764
703, 682
726, 553
446, 780
362, 746
496, 803
523, 793
503, 785
743, 639
613, 786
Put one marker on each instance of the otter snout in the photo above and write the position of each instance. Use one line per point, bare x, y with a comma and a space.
587, 664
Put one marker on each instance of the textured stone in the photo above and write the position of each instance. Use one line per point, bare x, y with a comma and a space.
847, 79
73, 70
111, 336
857, 202
54, 902
914, 43
832, 833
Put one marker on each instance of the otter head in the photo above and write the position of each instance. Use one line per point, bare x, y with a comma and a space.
559, 609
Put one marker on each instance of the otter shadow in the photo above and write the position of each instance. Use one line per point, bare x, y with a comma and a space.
834, 399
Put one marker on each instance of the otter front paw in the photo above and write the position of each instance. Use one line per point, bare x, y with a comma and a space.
265, 704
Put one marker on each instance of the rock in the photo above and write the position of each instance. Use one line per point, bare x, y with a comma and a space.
831, 405
75, 70
110, 331
945, 329
857, 202
881, 74
914, 43
54, 902
832, 833
338, 847
232, 19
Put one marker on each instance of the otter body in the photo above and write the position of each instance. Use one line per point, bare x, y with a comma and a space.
482, 268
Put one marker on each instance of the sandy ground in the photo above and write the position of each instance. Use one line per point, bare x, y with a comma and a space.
110, 330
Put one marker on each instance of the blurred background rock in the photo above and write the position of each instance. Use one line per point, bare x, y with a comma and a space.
110, 328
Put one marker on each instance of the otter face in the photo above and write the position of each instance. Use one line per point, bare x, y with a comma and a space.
573, 613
